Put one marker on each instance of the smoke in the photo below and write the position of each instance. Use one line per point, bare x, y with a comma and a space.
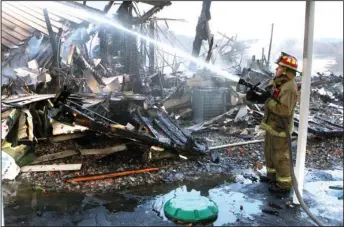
101, 19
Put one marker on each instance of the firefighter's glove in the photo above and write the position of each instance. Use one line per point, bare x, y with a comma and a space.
257, 97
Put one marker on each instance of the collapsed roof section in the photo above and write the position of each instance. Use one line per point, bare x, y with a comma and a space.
21, 20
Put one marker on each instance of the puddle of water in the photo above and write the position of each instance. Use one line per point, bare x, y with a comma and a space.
130, 207
228, 202
327, 205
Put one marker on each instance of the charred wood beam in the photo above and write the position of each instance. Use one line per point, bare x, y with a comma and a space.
146, 16
108, 7
124, 12
67, 111
111, 129
52, 37
151, 48
143, 47
103, 45
202, 30
210, 50
58, 47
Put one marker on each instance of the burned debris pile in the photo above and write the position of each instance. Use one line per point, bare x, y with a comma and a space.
89, 80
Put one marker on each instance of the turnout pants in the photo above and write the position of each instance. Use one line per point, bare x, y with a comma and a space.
276, 153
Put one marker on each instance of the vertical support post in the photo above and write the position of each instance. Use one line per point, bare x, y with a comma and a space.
51, 36
151, 48
269, 52
108, 6
103, 45
2, 210
143, 46
305, 96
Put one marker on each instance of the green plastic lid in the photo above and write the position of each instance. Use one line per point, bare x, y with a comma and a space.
191, 209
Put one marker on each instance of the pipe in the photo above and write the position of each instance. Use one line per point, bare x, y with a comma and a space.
2, 210
238, 144
269, 52
110, 175
235, 144
305, 96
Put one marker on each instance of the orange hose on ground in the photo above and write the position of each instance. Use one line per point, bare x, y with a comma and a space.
103, 176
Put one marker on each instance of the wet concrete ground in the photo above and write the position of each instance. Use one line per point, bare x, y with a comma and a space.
144, 205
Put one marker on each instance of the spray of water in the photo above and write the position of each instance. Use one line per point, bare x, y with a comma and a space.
82, 13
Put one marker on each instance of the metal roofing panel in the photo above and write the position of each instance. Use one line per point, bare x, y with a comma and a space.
18, 23
36, 9
10, 38
7, 43
21, 15
13, 33
39, 16
72, 18
14, 27
21, 19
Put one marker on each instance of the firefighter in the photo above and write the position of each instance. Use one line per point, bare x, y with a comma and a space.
280, 104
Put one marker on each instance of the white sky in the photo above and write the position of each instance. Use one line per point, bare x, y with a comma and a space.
253, 19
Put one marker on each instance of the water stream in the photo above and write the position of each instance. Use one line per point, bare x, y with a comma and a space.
66, 9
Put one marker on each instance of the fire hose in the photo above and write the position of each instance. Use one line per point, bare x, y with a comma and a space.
293, 177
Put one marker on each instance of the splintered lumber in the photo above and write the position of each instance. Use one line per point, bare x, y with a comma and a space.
65, 137
58, 155
46, 168
61, 129
108, 150
22, 133
104, 176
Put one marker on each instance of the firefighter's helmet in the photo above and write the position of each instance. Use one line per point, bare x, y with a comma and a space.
288, 61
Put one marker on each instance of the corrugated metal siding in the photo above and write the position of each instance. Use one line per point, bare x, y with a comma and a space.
21, 19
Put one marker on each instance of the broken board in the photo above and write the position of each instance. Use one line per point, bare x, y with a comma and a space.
65, 137
59, 128
46, 168
58, 155
104, 151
